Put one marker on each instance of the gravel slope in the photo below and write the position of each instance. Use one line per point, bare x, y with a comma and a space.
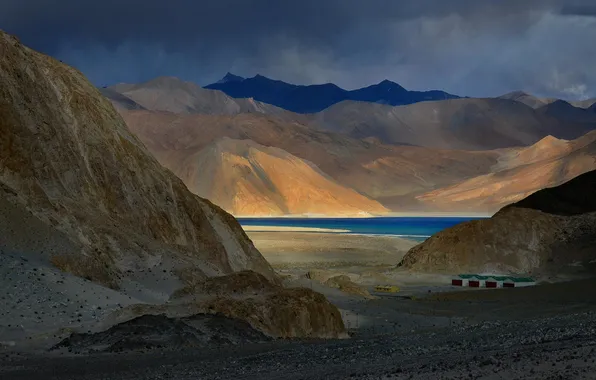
561, 347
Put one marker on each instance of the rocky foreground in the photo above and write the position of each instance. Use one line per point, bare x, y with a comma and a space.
561, 347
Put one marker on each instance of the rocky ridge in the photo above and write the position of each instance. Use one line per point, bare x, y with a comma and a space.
552, 230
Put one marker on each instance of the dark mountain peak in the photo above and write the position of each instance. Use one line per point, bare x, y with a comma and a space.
559, 106
571, 198
229, 78
389, 86
560, 103
387, 82
263, 78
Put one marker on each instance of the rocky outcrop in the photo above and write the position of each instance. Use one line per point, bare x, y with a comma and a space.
346, 285
239, 283
552, 230
67, 157
247, 296
160, 332
339, 281
287, 313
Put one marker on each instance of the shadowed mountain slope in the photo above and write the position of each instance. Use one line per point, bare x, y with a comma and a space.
551, 231
568, 113
68, 157
469, 124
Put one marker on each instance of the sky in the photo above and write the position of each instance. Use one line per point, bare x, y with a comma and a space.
466, 47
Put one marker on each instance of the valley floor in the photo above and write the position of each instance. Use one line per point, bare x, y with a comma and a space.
429, 330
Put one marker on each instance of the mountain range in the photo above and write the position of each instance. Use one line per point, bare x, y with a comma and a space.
456, 155
537, 102
315, 98
468, 123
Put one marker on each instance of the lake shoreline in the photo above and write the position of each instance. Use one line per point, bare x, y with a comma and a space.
384, 216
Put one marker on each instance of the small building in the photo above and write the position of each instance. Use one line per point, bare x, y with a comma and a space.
478, 281
496, 281
518, 282
461, 279
491, 281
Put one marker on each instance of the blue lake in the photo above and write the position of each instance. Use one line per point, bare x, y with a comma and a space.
414, 228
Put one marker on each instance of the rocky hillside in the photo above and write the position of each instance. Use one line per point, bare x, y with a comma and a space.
518, 173
68, 157
171, 94
90, 221
551, 231
251, 179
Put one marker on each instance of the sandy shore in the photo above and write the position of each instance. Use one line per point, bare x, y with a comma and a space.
322, 250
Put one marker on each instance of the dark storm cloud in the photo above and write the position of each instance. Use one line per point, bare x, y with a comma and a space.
471, 47
579, 10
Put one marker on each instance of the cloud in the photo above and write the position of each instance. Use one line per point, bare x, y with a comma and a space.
468, 47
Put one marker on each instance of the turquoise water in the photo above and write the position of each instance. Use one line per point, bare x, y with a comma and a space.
414, 228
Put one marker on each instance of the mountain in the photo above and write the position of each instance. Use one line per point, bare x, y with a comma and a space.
91, 223
315, 98
387, 92
469, 124
550, 231
587, 103
401, 178
229, 78
536, 102
568, 113
527, 99
519, 173
68, 157
377, 171
171, 94
251, 179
